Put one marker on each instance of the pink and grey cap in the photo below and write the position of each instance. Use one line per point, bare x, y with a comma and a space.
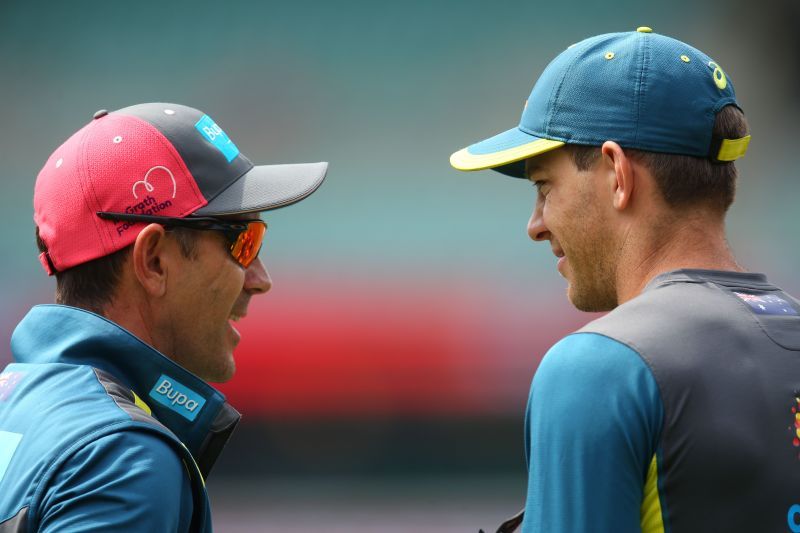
153, 159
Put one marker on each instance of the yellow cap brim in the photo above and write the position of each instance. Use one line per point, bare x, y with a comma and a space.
496, 152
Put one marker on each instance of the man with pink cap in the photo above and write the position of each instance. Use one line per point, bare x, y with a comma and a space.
148, 219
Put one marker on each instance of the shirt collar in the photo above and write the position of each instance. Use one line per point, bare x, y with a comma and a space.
696, 275
193, 410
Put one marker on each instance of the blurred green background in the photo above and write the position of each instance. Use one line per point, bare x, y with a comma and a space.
399, 265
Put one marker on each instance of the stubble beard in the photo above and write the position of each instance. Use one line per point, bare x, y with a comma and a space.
592, 283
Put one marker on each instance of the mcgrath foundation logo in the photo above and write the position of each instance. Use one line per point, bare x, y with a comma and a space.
149, 186
158, 182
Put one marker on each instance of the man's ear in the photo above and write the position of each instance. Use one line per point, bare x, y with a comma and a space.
151, 259
623, 179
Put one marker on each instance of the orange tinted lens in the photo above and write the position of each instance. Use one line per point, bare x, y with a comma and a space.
246, 247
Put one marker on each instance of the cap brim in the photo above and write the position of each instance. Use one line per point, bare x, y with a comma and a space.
267, 187
505, 152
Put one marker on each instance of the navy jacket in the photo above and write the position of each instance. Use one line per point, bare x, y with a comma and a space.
101, 432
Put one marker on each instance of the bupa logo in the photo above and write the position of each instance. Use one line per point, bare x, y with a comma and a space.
170, 393
214, 134
213, 131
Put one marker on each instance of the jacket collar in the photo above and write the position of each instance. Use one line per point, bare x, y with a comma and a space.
193, 410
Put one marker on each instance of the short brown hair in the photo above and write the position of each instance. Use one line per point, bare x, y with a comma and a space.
684, 180
91, 285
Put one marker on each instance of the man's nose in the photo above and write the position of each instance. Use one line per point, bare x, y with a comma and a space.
256, 278
536, 227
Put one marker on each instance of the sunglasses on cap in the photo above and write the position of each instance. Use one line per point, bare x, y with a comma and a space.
244, 236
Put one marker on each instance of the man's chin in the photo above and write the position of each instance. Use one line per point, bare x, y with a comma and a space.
589, 302
223, 375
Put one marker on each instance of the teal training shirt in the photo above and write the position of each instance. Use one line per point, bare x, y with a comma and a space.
677, 412
593, 424
100, 432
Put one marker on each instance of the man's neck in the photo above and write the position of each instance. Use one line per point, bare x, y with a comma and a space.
131, 317
692, 243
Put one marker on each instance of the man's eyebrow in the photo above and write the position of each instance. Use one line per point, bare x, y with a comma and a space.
531, 169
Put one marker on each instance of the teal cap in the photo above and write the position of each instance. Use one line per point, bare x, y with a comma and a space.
640, 89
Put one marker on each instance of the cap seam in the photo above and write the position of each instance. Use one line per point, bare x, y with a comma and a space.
722, 102
559, 138
83, 180
106, 241
529, 131
553, 101
161, 138
228, 186
641, 86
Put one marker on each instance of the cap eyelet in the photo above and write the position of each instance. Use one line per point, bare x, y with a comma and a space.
169, 112
117, 139
59, 162
685, 58
719, 76
609, 55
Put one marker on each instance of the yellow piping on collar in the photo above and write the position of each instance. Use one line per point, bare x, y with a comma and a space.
141, 405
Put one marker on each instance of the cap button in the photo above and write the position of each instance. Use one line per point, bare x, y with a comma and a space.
100, 114
644, 29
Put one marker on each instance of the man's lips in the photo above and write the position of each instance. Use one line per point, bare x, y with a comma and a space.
239, 310
236, 316
562, 259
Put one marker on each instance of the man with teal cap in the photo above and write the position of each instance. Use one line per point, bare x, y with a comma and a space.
678, 410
